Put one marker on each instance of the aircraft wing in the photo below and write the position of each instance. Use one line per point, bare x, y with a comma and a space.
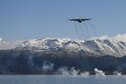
73, 19
86, 19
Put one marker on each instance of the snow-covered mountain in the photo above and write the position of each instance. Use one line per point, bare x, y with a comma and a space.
97, 47
30, 56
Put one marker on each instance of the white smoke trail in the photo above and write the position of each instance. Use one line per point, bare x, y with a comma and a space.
74, 72
64, 71
84, 74
99, 73
117, 73
47, 66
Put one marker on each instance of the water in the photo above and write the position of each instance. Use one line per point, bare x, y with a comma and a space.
53, 79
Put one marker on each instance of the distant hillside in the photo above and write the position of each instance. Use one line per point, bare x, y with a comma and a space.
27, 62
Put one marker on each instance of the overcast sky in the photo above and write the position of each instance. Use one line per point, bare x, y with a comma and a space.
27, 19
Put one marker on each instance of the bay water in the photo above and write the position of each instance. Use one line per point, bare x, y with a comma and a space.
60, 79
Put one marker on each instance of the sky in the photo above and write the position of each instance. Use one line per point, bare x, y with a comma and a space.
28, 19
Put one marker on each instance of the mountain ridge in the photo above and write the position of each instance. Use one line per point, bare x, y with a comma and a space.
97, 46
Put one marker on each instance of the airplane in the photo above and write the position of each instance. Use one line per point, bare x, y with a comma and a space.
80, 19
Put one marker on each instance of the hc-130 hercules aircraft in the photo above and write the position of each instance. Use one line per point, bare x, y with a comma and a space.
80, 19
